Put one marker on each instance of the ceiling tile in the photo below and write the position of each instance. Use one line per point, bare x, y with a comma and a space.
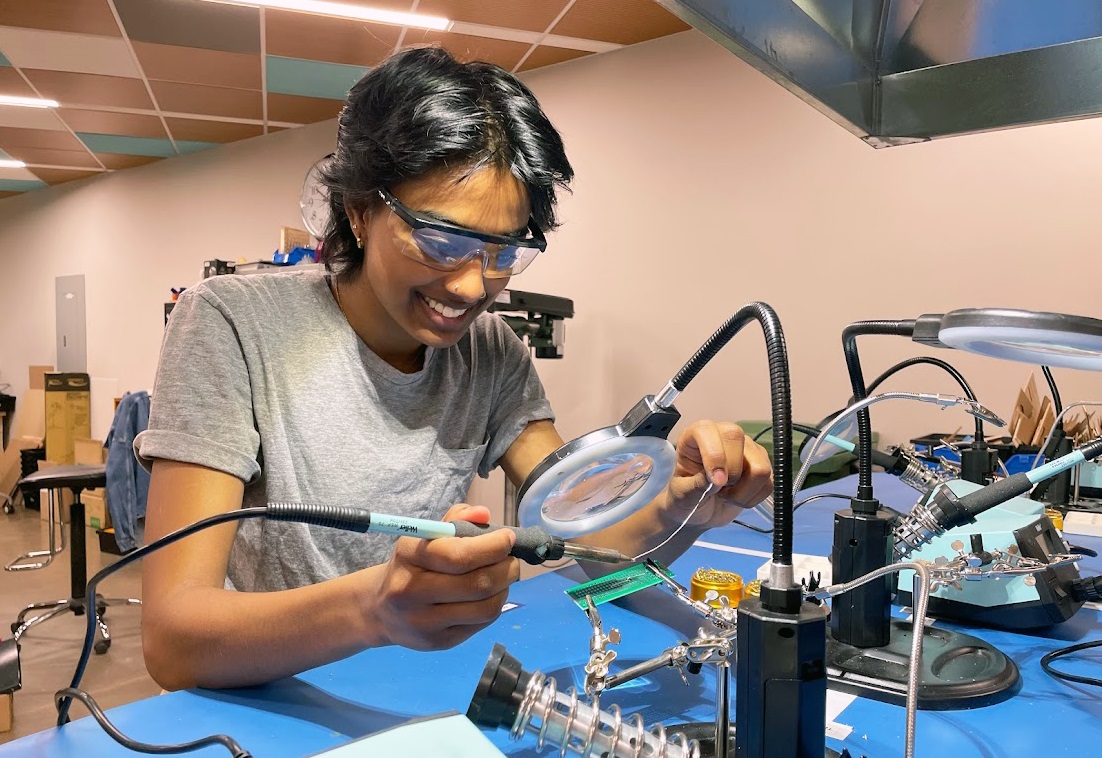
30, 118
46, 157
531, 15
291, 76
469, 48
187, 23
194, 65
119, 162
208, 101
211, 131
301, 110
54, 176
90, 89
79, 16
622, 21
297, 35
11, 137
61, 51
545, 55
11, 83
116, 143
104, 122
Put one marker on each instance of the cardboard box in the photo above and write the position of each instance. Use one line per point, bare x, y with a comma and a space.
36, 376
89, 452
7, 712
95, 508
64, 496
68, 414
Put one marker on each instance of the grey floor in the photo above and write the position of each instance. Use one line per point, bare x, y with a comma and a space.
49, 652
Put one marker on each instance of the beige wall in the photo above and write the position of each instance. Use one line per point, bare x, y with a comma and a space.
701, 186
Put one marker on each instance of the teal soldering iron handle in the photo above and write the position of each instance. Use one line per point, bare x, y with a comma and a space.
533, 545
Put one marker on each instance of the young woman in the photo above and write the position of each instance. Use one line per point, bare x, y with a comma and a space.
383, 385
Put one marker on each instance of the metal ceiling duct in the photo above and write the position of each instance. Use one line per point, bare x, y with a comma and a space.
894, 72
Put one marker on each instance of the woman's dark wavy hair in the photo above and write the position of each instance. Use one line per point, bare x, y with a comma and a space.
421, 111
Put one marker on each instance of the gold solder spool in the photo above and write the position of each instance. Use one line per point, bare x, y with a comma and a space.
1055, 517
726, 583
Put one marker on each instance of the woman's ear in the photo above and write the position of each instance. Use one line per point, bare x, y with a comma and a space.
356, 219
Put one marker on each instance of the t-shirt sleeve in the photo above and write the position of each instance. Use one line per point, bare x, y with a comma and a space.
201, 410
520, 398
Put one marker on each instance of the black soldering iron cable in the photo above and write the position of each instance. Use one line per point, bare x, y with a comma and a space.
63, 698
530, 542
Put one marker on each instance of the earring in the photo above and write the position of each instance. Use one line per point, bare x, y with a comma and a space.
359, 242
456, 289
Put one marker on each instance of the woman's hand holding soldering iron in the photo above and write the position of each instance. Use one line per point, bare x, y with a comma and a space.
434, 594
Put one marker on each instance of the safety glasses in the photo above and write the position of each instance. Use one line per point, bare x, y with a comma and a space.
447, 247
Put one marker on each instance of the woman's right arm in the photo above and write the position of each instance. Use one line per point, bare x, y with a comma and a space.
195, 633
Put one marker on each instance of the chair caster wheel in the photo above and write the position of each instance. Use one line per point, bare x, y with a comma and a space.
102, 646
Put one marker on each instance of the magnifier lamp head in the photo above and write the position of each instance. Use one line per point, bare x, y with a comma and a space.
602, 477
847, 431
1040, 338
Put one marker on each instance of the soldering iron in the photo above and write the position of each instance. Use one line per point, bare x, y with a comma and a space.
533, 544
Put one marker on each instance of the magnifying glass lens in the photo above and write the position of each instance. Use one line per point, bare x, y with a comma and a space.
598, 487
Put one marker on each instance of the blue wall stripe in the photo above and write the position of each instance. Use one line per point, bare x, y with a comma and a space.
152, 146
294, 76
20, 185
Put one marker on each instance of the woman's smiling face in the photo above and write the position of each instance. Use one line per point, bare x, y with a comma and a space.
413, 304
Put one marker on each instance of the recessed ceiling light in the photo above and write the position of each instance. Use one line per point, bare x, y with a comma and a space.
27, 102
340, 10
12, 164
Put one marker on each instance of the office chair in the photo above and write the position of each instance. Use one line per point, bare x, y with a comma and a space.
76, 478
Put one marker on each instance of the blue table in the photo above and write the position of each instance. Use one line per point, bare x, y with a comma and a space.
339, 702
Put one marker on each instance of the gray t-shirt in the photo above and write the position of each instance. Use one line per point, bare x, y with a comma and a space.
262, 377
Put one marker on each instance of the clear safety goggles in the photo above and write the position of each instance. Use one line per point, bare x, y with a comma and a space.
447, 247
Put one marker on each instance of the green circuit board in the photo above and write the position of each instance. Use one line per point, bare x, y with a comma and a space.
616, 585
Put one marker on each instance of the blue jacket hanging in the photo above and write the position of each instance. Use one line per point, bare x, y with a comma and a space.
127, 481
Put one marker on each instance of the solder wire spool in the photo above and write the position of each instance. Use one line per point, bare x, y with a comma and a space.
1055, 517
724, 583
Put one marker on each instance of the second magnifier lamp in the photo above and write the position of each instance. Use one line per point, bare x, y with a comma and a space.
868, 650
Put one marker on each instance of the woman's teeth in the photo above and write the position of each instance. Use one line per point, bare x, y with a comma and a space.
442, 309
